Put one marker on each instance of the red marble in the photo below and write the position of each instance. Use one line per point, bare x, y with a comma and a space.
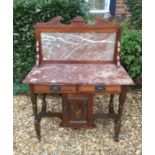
78, 46
108, 74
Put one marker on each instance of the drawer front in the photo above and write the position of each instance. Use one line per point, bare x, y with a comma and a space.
54, 89
77, 89
100, 89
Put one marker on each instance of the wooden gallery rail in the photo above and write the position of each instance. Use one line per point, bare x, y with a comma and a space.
77, 61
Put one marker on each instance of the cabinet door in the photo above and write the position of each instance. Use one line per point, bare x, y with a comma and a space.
77, 110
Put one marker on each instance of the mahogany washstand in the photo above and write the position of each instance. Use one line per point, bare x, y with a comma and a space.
77, 60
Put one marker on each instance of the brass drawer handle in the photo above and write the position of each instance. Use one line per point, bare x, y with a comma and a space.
100, 88
55, 87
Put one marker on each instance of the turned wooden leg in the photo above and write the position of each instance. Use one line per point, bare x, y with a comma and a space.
35, 112
37, 127
111, 104
43, 109
122, 98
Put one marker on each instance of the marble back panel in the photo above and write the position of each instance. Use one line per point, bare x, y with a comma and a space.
78, 46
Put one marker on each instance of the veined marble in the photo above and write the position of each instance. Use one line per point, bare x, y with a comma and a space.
78, 46
108, 74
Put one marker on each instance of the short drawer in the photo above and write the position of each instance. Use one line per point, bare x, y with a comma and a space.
100, 89
55, 89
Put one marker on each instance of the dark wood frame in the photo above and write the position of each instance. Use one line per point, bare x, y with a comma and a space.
77, 25
117, 117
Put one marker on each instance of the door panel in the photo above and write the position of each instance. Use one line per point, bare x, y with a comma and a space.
78, 110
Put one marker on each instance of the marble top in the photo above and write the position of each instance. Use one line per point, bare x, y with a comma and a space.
91, 74
78, 46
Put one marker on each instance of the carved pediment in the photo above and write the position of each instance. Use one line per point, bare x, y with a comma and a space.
78, 22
